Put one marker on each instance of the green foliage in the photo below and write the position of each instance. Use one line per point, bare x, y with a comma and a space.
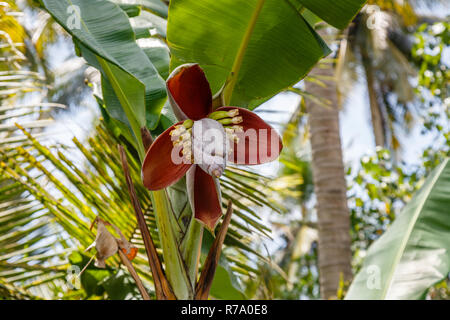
337, 13
106, 31
225, 284
157, 7
99, 188
64, 199
413, 254
434, 75
112, 283
382, 187
254, 48
49, 193
378, 190
272, 284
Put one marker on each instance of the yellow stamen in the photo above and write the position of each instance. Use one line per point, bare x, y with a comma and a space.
233, 112
238, 129
237, 120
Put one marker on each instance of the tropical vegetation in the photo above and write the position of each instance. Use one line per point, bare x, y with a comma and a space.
281, 212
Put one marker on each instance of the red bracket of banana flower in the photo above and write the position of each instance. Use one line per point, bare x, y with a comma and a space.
209, 269
163, 289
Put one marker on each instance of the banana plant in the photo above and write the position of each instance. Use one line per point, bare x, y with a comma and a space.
46, 199
245, 63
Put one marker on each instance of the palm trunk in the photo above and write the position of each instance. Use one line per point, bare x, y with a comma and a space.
329, 185
297, 247
375, 108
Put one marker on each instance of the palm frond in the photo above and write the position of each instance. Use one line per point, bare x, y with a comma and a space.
58, 200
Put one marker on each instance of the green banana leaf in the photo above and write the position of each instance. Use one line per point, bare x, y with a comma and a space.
337, 13
160, 57
157, 7
414, 253
255, 47
104, 29
132, 10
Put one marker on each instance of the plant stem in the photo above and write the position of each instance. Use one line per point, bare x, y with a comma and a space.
212, 260
135, 276
191, 248
162, 287
175, 266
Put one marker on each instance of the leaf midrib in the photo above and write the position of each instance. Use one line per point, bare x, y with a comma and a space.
232, 80
127, 108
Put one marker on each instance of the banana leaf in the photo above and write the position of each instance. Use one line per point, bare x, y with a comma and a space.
414, 253
256, 48
104, 28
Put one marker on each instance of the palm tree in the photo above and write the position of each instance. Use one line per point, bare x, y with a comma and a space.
329, 182
323, 98
379, 42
